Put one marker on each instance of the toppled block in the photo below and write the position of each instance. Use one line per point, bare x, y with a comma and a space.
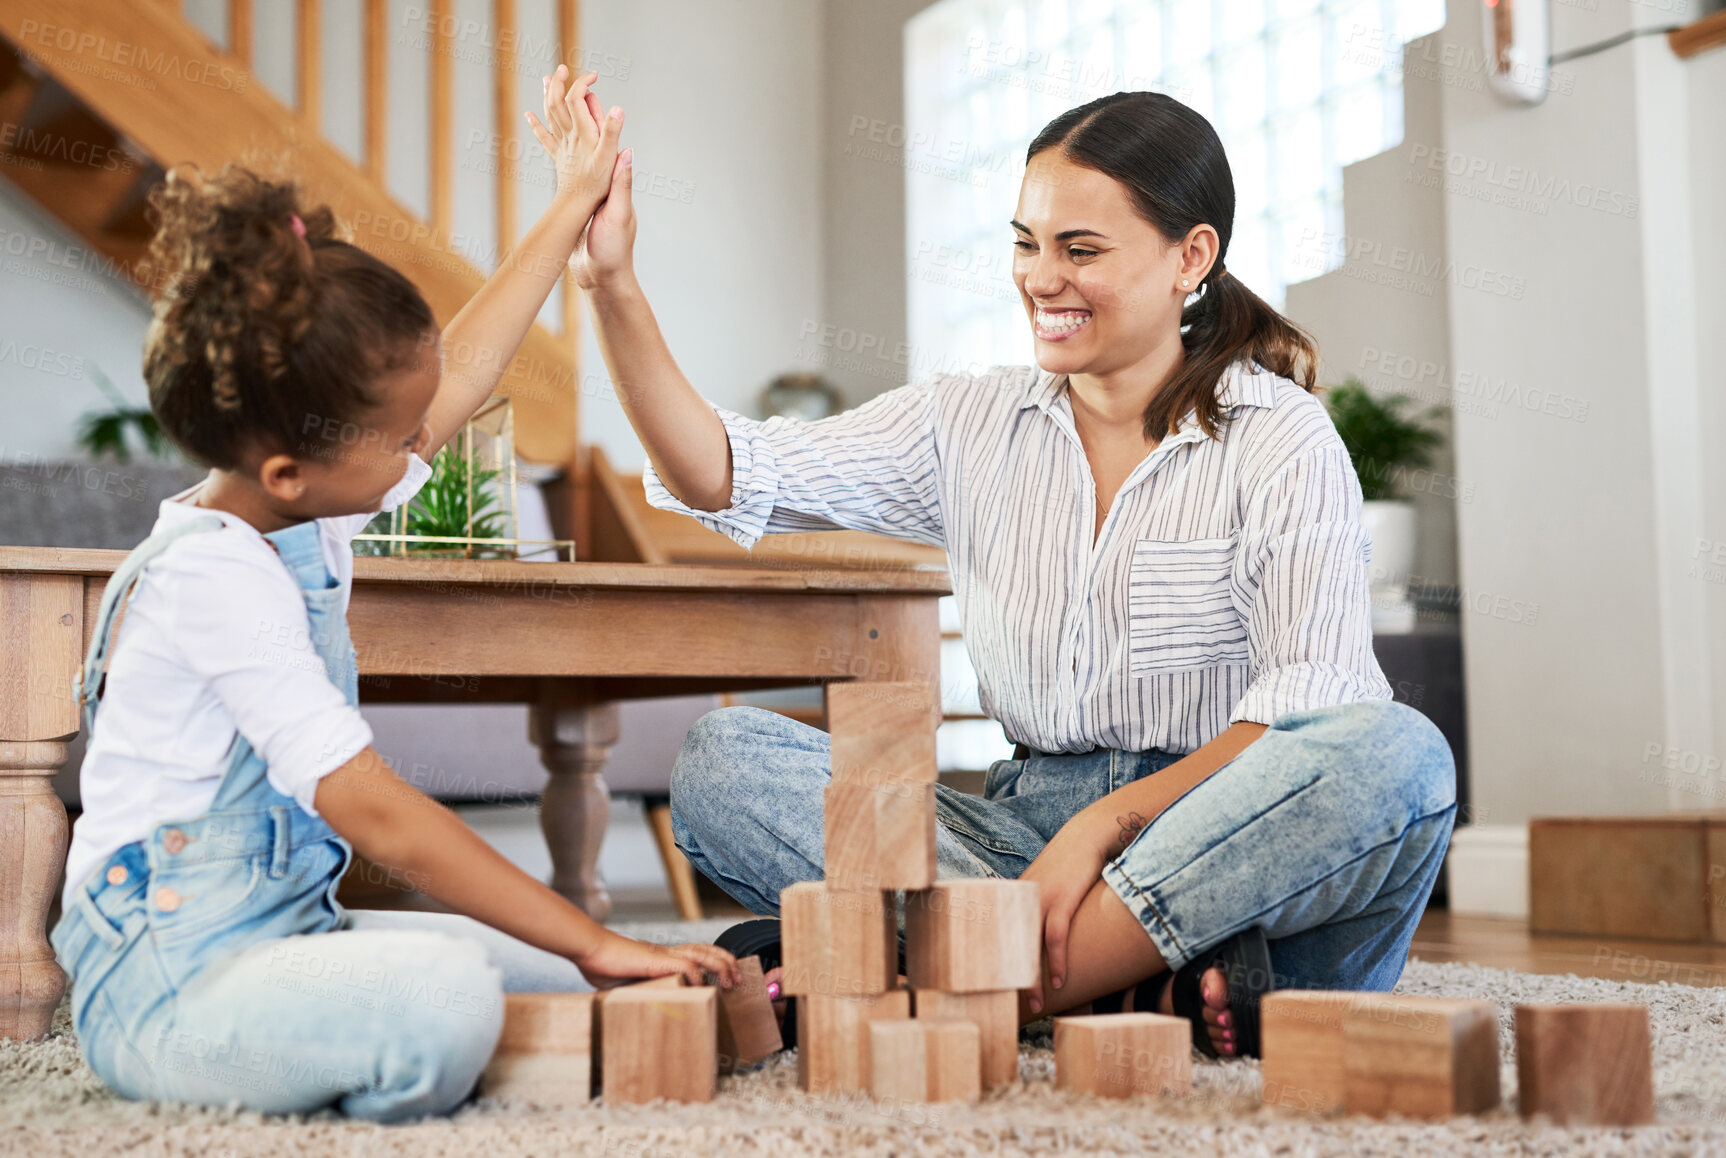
748, 1027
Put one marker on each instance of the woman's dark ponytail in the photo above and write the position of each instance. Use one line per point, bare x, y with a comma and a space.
1172, 164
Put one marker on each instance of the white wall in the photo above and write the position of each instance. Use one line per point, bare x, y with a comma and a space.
863, 202
63, 321
1705, 561
1583, 259
1389, 330
723, 103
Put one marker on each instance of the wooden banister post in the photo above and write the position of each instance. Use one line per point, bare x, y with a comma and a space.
310, 85
240, 30
377, 90
504, 90
442, 121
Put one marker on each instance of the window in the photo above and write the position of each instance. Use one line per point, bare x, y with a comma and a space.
1296, 89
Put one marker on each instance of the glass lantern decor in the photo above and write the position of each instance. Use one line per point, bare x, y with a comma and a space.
467, 509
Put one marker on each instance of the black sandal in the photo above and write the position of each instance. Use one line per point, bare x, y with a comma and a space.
1146, 995
1245, 960
760, 938
1246, 964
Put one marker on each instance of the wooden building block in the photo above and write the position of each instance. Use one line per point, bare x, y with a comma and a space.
544, 1054
973, 936
1425, 1057
924, 1061
1301, 1043
833, 1038
880, 836
883, 732
837, 943
660, 1042
996, 1016
1649, 877
1117, 1055
748, 1028
670, 981
1585, 1065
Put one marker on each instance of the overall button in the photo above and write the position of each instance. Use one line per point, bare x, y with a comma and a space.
174, 841
117, 875
167, 899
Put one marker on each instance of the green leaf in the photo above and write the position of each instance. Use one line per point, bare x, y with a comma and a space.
1383, 444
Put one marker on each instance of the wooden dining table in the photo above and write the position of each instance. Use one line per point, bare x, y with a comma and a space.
568, 639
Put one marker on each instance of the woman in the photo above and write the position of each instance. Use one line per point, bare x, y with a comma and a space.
1155, 543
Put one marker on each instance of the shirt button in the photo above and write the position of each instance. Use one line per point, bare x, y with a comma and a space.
174, 841
167, 900
117, 875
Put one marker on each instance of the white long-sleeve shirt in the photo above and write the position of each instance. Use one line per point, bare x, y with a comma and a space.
1228, 581
215, 641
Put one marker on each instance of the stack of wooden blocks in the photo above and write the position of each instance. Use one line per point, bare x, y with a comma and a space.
970, 945
1429, 1057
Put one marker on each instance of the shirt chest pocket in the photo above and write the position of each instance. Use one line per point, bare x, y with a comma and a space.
1180, 613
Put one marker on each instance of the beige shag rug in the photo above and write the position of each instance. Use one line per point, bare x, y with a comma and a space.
52, 1105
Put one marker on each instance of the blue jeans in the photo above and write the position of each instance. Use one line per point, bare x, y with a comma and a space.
390, 1016
1328, 831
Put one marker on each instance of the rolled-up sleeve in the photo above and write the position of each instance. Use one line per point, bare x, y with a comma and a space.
874, 468
1309, 624
242, 625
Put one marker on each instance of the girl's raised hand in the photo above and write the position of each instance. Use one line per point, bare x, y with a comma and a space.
580, 136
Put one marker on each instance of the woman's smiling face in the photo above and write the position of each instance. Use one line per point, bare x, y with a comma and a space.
1098, 281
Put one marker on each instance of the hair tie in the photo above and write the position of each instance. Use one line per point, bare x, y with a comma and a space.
299, 226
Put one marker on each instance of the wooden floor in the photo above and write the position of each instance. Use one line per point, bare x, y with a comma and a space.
1507, 944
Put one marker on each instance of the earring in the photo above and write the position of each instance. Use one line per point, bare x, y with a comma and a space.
1183, 282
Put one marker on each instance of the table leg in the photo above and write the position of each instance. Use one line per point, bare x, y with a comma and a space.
574, 741
33, 833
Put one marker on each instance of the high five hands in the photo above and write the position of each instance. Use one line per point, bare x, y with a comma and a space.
582, 139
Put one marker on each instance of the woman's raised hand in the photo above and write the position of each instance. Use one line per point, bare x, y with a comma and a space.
607, 249
580, 136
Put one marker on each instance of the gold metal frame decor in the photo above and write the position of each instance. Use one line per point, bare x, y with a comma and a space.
467, 509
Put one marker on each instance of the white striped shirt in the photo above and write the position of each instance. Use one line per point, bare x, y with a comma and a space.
1228, 581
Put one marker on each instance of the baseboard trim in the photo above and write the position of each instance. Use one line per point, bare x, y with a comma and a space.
1488, 866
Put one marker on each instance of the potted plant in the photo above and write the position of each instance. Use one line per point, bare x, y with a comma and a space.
1385, 446
114, 431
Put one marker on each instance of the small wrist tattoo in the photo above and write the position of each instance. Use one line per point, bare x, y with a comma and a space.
1131, 824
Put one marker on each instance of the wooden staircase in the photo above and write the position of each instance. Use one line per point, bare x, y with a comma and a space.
99, 97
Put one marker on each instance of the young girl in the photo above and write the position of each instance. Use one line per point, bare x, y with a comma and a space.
229, 773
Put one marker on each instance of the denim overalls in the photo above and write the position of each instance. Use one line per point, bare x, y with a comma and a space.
192, 977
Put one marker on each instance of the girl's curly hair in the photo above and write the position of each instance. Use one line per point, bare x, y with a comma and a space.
260, 333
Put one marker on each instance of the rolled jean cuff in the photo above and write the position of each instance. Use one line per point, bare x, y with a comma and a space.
1149, 912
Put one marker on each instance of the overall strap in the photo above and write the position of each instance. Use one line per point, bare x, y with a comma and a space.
125, 577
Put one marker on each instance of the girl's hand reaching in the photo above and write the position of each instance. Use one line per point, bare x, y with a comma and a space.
617, 959
580, 136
